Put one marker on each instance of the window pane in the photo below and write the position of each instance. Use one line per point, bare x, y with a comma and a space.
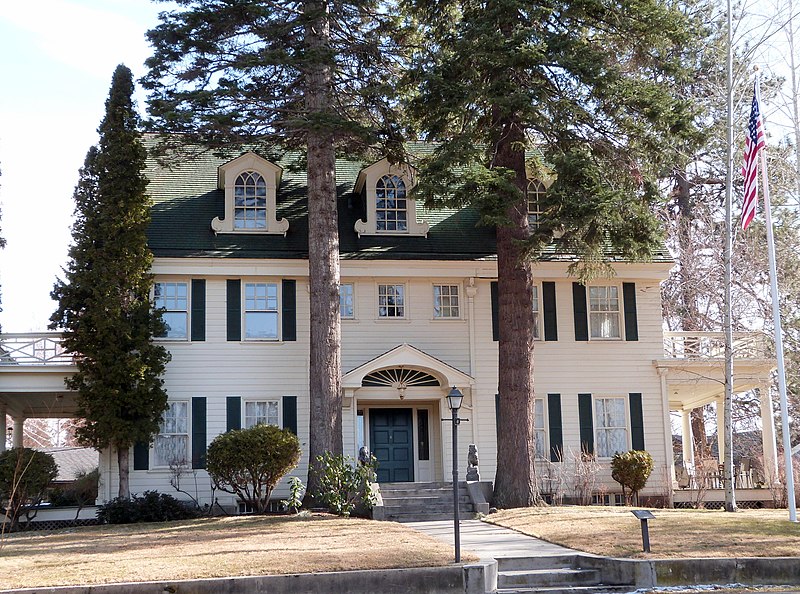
445, 301
260, 412
171, 450
390, 301
261, 325
346, 305
176, 324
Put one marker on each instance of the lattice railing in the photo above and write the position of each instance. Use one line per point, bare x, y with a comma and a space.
42, 348
711, 345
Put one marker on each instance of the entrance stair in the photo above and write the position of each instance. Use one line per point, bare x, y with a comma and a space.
419, 502
551, 574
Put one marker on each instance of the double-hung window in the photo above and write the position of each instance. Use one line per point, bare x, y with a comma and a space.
346, 301
604, 312
261, 412
611, 428
539, 428
536, 315
171, 445
391, 301
445, 301
261, 311
173, 298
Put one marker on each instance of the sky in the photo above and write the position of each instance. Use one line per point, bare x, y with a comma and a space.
56, 70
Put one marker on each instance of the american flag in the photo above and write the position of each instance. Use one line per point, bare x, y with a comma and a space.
752, 144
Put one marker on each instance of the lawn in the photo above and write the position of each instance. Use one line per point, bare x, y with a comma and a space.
213, 547
674, 533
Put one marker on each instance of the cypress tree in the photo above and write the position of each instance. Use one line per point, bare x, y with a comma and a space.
289, 75
104, 302
578, 93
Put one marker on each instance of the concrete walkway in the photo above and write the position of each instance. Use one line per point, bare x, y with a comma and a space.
489, 541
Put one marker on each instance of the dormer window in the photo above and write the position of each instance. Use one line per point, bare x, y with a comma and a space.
390, 210
534, 195
251, 185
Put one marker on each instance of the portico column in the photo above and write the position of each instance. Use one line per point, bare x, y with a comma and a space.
668, 455
688, 439
3, 413
19, 422
768, 434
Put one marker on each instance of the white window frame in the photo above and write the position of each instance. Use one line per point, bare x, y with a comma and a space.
394, 215
601, 447
343, 299
542, 445
403, 305
255, 401
534, 192
166, 303
276, 310
439, 311
604, 313
163, 434
536, 307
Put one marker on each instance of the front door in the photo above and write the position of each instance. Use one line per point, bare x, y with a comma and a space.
391, 441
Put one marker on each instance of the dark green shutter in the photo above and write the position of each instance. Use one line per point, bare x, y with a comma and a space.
234, 309
554, 427
198, 432
198, 309
637, 421
141, 456
495, 312
549, 311
585, 417
233, 413
579, 311
289, 310
629, 305
290, 413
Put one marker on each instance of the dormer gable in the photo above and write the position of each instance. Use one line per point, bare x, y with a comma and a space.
390, 209
250, 183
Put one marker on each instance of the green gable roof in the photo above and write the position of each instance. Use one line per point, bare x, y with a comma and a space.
186, 198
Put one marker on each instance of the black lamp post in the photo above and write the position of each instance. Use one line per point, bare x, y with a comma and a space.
454, 399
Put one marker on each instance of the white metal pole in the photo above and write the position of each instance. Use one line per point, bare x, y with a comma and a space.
776, 318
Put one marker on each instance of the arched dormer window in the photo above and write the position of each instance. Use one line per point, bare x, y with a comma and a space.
250, 201
533, 195
390, 210
251, 185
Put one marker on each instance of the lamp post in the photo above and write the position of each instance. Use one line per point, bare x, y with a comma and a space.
454, 399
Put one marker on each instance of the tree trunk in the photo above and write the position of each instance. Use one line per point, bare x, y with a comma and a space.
325, 422
123, 461
515, 481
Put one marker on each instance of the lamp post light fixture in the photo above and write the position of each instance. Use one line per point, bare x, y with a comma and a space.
454, 400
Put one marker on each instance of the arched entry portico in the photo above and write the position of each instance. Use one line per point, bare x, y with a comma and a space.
393, 404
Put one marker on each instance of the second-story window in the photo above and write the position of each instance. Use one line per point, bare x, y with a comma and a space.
346, 301
604, 313
250, 201
173, 298
261, 311
391, 207
445, 301
536, 316
391, 301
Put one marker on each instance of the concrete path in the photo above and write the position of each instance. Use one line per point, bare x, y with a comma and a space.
489, 541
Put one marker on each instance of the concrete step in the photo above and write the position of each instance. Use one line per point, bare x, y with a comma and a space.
543, 562
422, 499
599, 589
426, 517
423, 491
547, 578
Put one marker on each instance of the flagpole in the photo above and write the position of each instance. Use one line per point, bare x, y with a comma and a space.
776, 318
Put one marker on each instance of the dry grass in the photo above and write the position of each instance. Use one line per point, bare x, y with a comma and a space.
234, 546
676, 533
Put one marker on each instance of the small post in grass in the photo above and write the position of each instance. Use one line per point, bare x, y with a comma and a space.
643, 515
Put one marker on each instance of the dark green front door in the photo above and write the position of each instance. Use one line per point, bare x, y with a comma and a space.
391, 438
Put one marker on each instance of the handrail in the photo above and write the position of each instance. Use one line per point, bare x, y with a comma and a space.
711, 345
33, 348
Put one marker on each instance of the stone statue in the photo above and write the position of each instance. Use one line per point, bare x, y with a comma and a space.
472, 463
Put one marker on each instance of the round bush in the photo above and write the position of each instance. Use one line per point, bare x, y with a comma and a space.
631, 470
249, 463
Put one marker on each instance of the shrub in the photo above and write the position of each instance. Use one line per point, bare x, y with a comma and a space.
24, 477
249, 463
151, 506
631, 470
82, 492
345, 486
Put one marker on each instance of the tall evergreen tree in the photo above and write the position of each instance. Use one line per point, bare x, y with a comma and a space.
576, 90
307, 75
104, 302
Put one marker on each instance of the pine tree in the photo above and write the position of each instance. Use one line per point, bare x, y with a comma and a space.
304, 75
580, 91
104, 302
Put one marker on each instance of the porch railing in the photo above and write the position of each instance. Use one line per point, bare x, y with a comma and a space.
711, 345
41, 348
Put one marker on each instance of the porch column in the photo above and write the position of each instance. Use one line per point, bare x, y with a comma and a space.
768, 444
721, 430
669, 457
19, 422
3, 413
471, 291
688, 439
